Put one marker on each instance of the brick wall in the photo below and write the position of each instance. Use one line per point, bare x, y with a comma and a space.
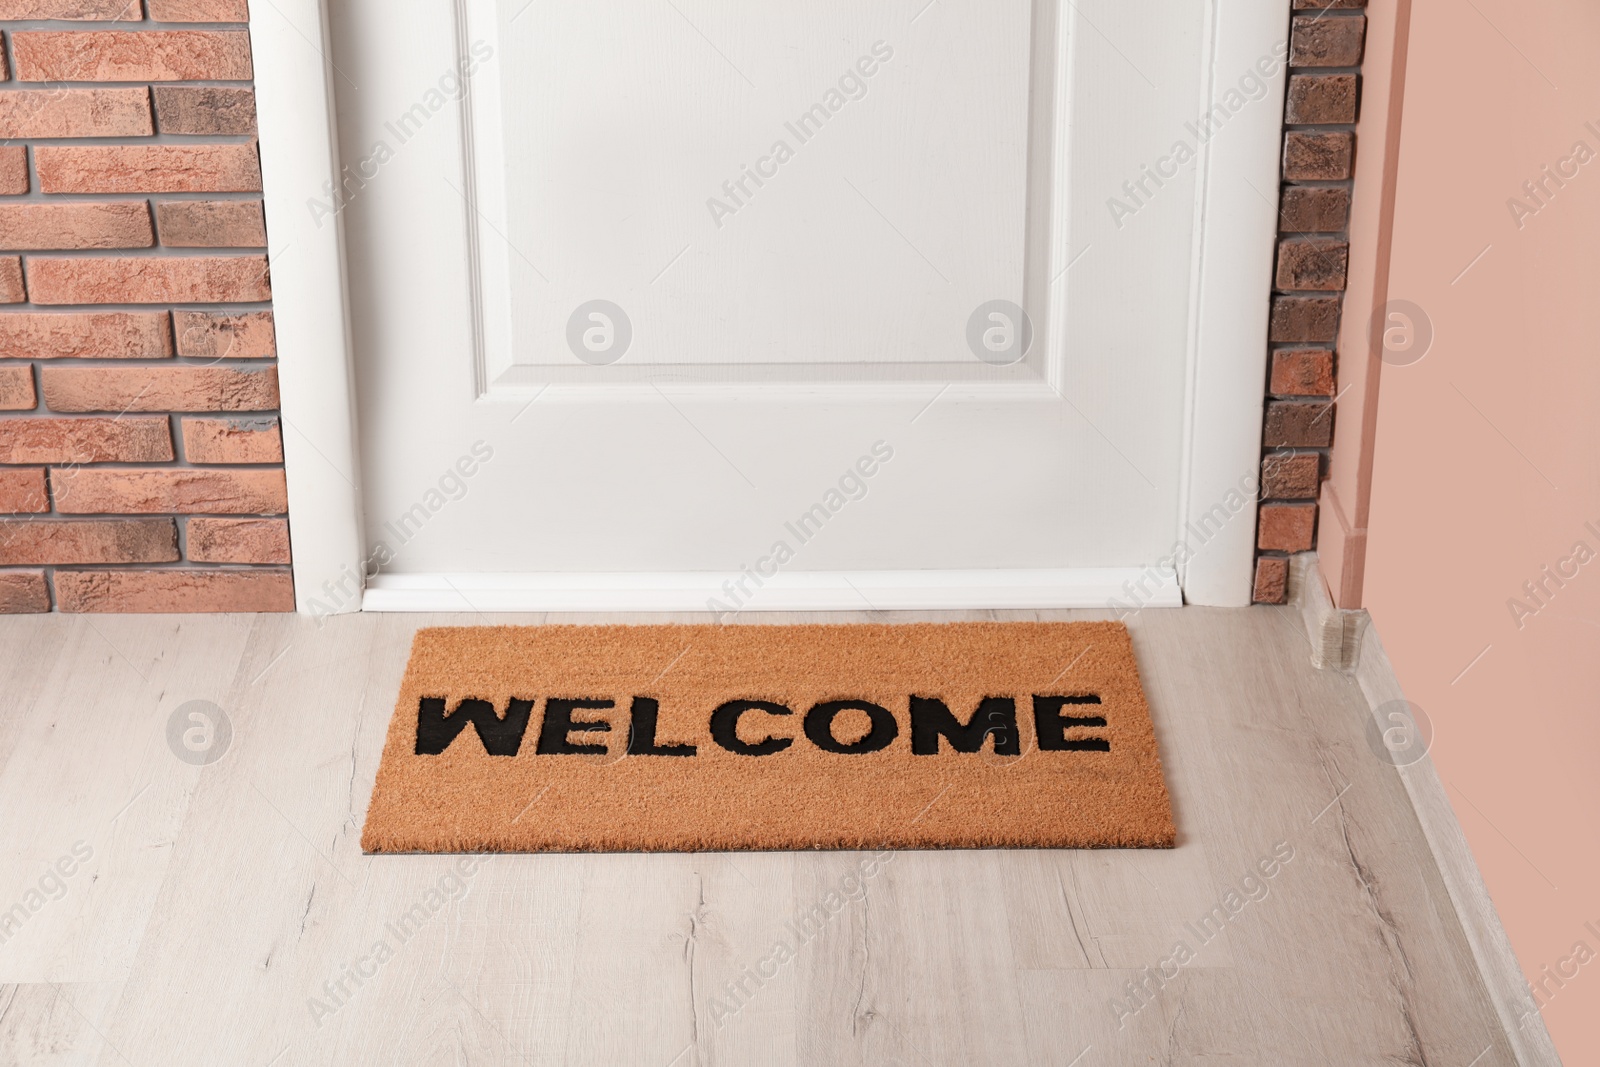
1313, 253
141, 463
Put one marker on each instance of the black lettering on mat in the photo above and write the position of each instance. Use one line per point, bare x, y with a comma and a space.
559, 725
725, 728
1051, 725
931, 718
500, 736
819, 727
643, 717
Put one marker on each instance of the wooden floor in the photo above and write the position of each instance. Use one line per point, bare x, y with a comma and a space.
223, 905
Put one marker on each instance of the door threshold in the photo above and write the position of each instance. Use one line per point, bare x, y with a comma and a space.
1124, 588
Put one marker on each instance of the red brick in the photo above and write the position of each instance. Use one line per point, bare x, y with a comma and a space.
148, 280
1320, 99
1304, 318
95, 335
174, 591
1313, 209
1289, 424
212, 168
54, 541
131, 56
119, 389
232, 441
1272, 580
170, 490
239, 540
203, 334
73, 10
76, 113
1302, 372
16, 389
23, 491
205, 109
120, 440
1316, 263
1315, 155
29, 226
212, 223
1291, 476
1326, 42
13, 170
23, 593
1327, 5
199, 10
12, 291
1287, 527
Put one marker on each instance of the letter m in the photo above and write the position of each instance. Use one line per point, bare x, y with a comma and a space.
931, 719
500, 737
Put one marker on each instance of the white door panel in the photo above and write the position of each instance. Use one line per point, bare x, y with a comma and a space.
828, 314
802, 218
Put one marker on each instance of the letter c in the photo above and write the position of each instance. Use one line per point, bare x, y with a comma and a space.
725, 728
763, 171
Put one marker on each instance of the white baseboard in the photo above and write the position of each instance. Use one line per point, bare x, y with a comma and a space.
1335, 633
1129, 588
1491, 948
1345, 640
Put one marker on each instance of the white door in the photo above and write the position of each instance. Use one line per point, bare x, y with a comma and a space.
669, 303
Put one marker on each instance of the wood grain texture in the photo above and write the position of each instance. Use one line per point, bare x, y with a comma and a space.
226, 906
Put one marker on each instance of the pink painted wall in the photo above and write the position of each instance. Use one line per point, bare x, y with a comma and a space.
1346, 489
1487, 463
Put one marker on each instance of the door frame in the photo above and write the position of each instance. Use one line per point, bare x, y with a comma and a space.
1231, 281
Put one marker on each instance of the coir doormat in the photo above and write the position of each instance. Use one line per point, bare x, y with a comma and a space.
688, 738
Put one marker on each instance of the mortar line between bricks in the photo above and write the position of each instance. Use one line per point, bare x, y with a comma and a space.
107, 516
150, 140
18, 85
113, 24
123, 255
242, 363
140, 465
34, 196
221, 307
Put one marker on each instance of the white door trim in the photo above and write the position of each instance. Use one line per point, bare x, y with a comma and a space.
1232, 280
795, 591
1233, 268
299, 162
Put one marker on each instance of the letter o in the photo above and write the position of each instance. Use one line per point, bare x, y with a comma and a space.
819, 727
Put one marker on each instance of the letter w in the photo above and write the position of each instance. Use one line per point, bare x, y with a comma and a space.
500, 737
995, 715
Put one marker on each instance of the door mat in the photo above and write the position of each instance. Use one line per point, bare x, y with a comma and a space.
692, 738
